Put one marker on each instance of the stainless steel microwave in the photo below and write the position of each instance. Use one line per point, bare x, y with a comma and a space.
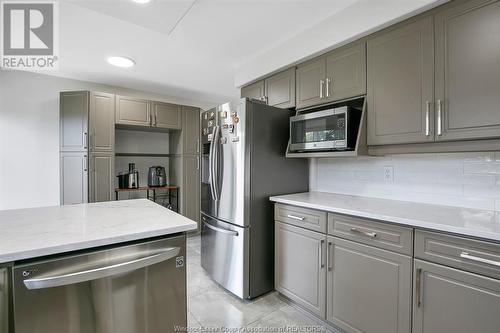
325, 130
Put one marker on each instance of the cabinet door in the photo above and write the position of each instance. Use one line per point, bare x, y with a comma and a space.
132, 111
368, 289
310, 90
346, 73
280, 89
467, 70
191, 129
101, 177
254, 90
74, 120
191, 187
4, 300
166, 115
102, 122
300, 260
451, 300
74, 178
400, 85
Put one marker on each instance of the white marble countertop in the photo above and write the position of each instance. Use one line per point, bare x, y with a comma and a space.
35, 232
484, 224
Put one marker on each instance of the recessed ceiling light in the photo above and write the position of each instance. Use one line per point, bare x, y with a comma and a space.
142, 2
121, 61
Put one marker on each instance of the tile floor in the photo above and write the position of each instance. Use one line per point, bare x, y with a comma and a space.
212, 309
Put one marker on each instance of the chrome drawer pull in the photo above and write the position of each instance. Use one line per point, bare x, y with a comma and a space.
466, 255
368, 234
298, 218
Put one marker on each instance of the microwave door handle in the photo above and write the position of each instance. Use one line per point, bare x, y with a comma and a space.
100, 272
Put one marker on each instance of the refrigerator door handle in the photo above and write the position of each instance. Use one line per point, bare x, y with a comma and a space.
100, 272
211, 165
221, 230
215, 163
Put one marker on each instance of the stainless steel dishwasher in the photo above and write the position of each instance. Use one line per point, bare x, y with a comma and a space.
128, 289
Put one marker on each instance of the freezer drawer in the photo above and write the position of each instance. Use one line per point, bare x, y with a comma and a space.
129, 289
225, 254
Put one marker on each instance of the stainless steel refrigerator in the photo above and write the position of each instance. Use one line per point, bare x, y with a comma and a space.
243, 164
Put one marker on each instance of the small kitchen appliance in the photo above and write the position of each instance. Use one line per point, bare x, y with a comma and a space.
157, 176
129, 179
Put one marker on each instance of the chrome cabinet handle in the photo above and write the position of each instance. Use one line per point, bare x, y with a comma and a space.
468, 256
85, 140
427, 118
150, 120
418, 288
221, 230
85, 163
156, 115
365, 233
321, 84
197, 163
327, 87
321, 254
100, 272
330, 264
197, 145
294, 217
439, 118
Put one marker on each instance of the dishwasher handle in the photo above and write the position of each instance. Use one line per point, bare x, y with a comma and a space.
100, 272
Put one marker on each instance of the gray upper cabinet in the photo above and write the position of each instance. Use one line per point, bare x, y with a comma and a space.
368, 289
310, 83
101, 184
280, 89
451, 300
254, 90
300, 266
340, 74
191, 130
166, 115
102, 121
400, 84
191, 187
132, 111
467, 71
74, 120
74, 178
346, 73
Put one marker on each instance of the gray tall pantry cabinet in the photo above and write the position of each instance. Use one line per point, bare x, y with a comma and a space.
87, 134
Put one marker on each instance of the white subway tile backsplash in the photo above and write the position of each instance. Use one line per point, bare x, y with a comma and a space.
469, 180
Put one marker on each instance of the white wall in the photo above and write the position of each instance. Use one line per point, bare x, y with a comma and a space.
29, 134
461, 179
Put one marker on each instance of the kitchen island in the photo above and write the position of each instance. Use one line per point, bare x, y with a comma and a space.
111, 267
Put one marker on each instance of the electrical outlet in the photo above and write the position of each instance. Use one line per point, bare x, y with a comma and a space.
389, 174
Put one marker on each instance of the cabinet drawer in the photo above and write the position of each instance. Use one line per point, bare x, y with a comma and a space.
382, 235
306, 218
463, 253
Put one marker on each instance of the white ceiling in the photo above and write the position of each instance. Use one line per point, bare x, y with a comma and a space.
198, 49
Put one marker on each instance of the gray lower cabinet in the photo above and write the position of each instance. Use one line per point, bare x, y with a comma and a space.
310, 83
451, 300
191, 187
279, 89
4, 300
368, 289
346, 72
166, 115
254, 90
300, 266
74, 177
74, 120
132, 111
102, 122
101, 183
191, 130
400, 85
467, 70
